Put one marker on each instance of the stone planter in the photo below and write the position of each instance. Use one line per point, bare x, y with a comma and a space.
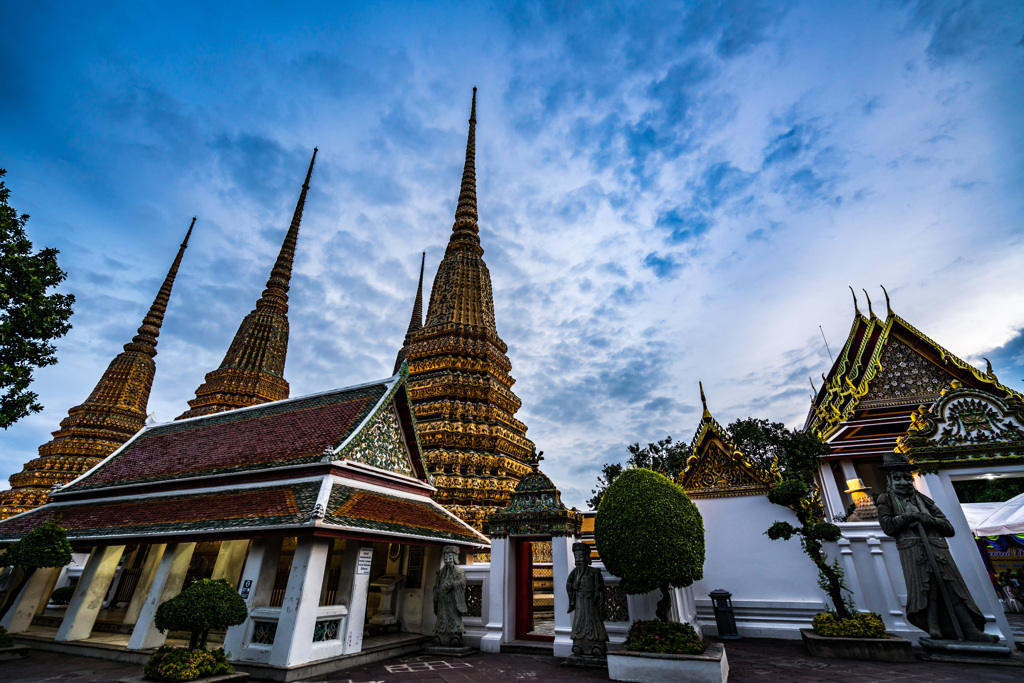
891, 649
647, 667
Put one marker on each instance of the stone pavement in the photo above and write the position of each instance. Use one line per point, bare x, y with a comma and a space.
767, 661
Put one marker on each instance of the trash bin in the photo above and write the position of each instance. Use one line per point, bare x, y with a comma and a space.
721, 600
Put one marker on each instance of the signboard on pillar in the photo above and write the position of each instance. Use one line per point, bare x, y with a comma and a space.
364, 560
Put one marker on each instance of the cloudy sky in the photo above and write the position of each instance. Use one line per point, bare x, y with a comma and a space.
668, 192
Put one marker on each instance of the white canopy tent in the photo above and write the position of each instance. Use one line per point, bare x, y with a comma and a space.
1005, 519
976, 513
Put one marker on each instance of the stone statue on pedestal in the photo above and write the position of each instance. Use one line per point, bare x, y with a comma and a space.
450, 599
586, 604
937, 598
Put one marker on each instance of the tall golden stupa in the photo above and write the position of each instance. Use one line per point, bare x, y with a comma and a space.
252, 371
459, 374
114, 411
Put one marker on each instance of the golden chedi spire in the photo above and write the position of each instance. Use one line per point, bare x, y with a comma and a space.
415, 320
459, 375
252, 371
114, 411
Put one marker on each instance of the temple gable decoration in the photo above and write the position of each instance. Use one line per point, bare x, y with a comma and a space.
966, 426
717, 468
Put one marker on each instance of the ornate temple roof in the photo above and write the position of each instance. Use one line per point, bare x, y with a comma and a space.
459, 374
886, 369
341, 463
535, 508
966, 427
113, 412
717, 468
252, 371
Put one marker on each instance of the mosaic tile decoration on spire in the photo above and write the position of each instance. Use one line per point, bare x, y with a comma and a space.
966, 427
252, 371
717, 468
113, 412
459, 375
535, 508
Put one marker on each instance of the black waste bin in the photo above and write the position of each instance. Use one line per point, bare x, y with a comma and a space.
721, 600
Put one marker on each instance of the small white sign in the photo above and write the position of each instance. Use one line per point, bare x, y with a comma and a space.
364, 560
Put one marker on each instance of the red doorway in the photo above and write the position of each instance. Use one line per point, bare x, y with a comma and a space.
524, 597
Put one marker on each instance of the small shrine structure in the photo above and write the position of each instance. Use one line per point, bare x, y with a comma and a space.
302, 504
534, 514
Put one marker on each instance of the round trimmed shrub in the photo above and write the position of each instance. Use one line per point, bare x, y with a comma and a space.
788, 493
45, 546
200, 608
825, 531
649, 533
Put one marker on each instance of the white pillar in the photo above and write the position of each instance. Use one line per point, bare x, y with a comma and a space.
831, 497
893, 616
167, 582
260, 568
294, 642
562, 562
353, 586
149, 565
230, 559
33, 596
497, 599
90, 593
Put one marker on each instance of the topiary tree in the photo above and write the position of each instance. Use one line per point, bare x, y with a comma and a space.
205, 605
46, 546
650, 535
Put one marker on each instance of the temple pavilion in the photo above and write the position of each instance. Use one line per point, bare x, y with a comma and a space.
886, 371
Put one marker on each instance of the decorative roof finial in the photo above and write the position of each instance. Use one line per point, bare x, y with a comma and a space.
855, 302
815, 389
466, 214
871, 312
145, 340
703, 400
275, 296
888, 306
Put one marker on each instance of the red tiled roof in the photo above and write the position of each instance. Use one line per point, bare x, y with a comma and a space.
283, 433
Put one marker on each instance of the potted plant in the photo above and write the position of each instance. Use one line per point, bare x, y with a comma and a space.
204, 606
651, 536
840, 631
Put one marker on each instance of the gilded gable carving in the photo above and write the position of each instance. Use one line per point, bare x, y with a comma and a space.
905, 373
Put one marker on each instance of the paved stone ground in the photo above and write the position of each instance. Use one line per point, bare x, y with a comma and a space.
766, 661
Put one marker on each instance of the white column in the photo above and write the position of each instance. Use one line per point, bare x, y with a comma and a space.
90, 593
354, 584
294, 642
33, 596
149, 565
893, 615
497, 599
167, 582
562, 562
831, 497
260, 568
230, 559
853, 580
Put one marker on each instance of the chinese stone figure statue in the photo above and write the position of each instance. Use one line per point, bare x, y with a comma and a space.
449, 599
937, 598
586, 604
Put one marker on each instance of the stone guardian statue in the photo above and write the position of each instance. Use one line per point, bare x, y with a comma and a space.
585, 587
450, 599
937, 597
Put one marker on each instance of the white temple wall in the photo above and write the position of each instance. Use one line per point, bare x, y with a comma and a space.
774, 585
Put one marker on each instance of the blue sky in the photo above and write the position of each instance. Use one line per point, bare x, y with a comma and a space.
668, 192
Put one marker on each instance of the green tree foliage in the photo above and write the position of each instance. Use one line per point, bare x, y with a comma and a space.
29, 317
46, 546
666, 456
798, 455
988, 490
204, 606
650, 535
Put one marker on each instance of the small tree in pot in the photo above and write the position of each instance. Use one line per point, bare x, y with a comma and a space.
204, 606
651, 536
